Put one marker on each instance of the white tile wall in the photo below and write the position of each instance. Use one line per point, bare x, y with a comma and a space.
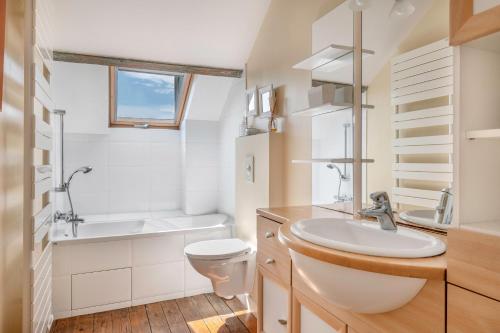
200, 149
133, 170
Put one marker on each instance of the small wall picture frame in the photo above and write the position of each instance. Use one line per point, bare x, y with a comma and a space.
266, 101
252, 101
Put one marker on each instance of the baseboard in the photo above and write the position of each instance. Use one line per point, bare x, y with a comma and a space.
100, 308
155, 299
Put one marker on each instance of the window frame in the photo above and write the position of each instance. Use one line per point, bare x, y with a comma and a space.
139, 123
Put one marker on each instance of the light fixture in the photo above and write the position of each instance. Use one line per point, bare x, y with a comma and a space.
402, 8
359, 5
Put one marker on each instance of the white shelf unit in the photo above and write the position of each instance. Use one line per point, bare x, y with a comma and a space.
330, 58
331, 160
484, 134
327, 108
422, 74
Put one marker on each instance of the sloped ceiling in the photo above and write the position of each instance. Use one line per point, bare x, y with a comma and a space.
381, 33
217, 33
207, 97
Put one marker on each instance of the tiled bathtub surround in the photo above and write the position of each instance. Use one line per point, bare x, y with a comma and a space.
133, 170
200, 150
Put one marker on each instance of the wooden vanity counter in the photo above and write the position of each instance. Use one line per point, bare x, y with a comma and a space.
432, 268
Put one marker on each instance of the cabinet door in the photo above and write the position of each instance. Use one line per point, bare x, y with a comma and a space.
100, 288
310, 323
312, 318
275, 307
471, 312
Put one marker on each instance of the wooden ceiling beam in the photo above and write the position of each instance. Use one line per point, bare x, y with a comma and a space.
145, 65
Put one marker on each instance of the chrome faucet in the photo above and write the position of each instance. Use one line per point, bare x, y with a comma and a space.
381, 210
71, 216
444, 211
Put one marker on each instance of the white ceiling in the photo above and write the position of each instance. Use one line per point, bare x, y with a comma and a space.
216, 33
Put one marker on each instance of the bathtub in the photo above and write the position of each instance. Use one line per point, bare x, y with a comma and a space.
122, 260
116, 226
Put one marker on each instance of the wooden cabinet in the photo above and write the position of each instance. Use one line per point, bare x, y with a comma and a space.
473, 300
473, 261
273, 279
308, 312
309, 317
466, 24
471, 312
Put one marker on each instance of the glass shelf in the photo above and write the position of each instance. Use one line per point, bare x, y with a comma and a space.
484, 134
331, 160
327, 108
330, 58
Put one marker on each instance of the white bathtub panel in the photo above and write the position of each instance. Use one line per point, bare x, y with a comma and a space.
162, 279
197, 236
92, 257
61, 294
100, 288
61, 260
195, 282
156, 250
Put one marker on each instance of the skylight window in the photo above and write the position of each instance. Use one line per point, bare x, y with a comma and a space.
146, 99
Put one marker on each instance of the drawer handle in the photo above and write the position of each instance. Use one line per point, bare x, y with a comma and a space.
270, 261
282, 322
269, 234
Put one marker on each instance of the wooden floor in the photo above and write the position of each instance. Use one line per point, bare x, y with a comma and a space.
198, 314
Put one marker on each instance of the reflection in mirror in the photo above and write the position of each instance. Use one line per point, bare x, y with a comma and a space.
409, 133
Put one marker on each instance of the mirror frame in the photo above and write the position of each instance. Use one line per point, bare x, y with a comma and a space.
465, 26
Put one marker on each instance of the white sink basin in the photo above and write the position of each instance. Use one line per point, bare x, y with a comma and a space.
358, 290
367, 238
423, 217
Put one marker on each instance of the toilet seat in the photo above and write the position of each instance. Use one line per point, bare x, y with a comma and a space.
217, 249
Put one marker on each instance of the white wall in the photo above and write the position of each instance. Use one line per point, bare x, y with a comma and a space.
229, 123
82, 90
200, 163
134, 170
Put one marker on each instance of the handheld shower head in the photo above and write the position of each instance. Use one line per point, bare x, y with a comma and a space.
85, 169
335, 167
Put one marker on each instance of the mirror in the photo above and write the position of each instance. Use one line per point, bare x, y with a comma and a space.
385, 36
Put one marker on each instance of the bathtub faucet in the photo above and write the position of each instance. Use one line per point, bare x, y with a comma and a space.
71, 216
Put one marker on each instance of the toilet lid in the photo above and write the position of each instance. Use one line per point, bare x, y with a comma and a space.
217, 249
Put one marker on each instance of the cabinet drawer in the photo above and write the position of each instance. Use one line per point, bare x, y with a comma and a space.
274, 307
100, 288
471, 312
276, 262
267, 234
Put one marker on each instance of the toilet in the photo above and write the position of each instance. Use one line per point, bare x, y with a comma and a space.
228, 263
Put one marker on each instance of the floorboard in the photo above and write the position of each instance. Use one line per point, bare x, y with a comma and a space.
175, 320
247, 318
157, 319
214, 323
103, 322
197, 314
226, 314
